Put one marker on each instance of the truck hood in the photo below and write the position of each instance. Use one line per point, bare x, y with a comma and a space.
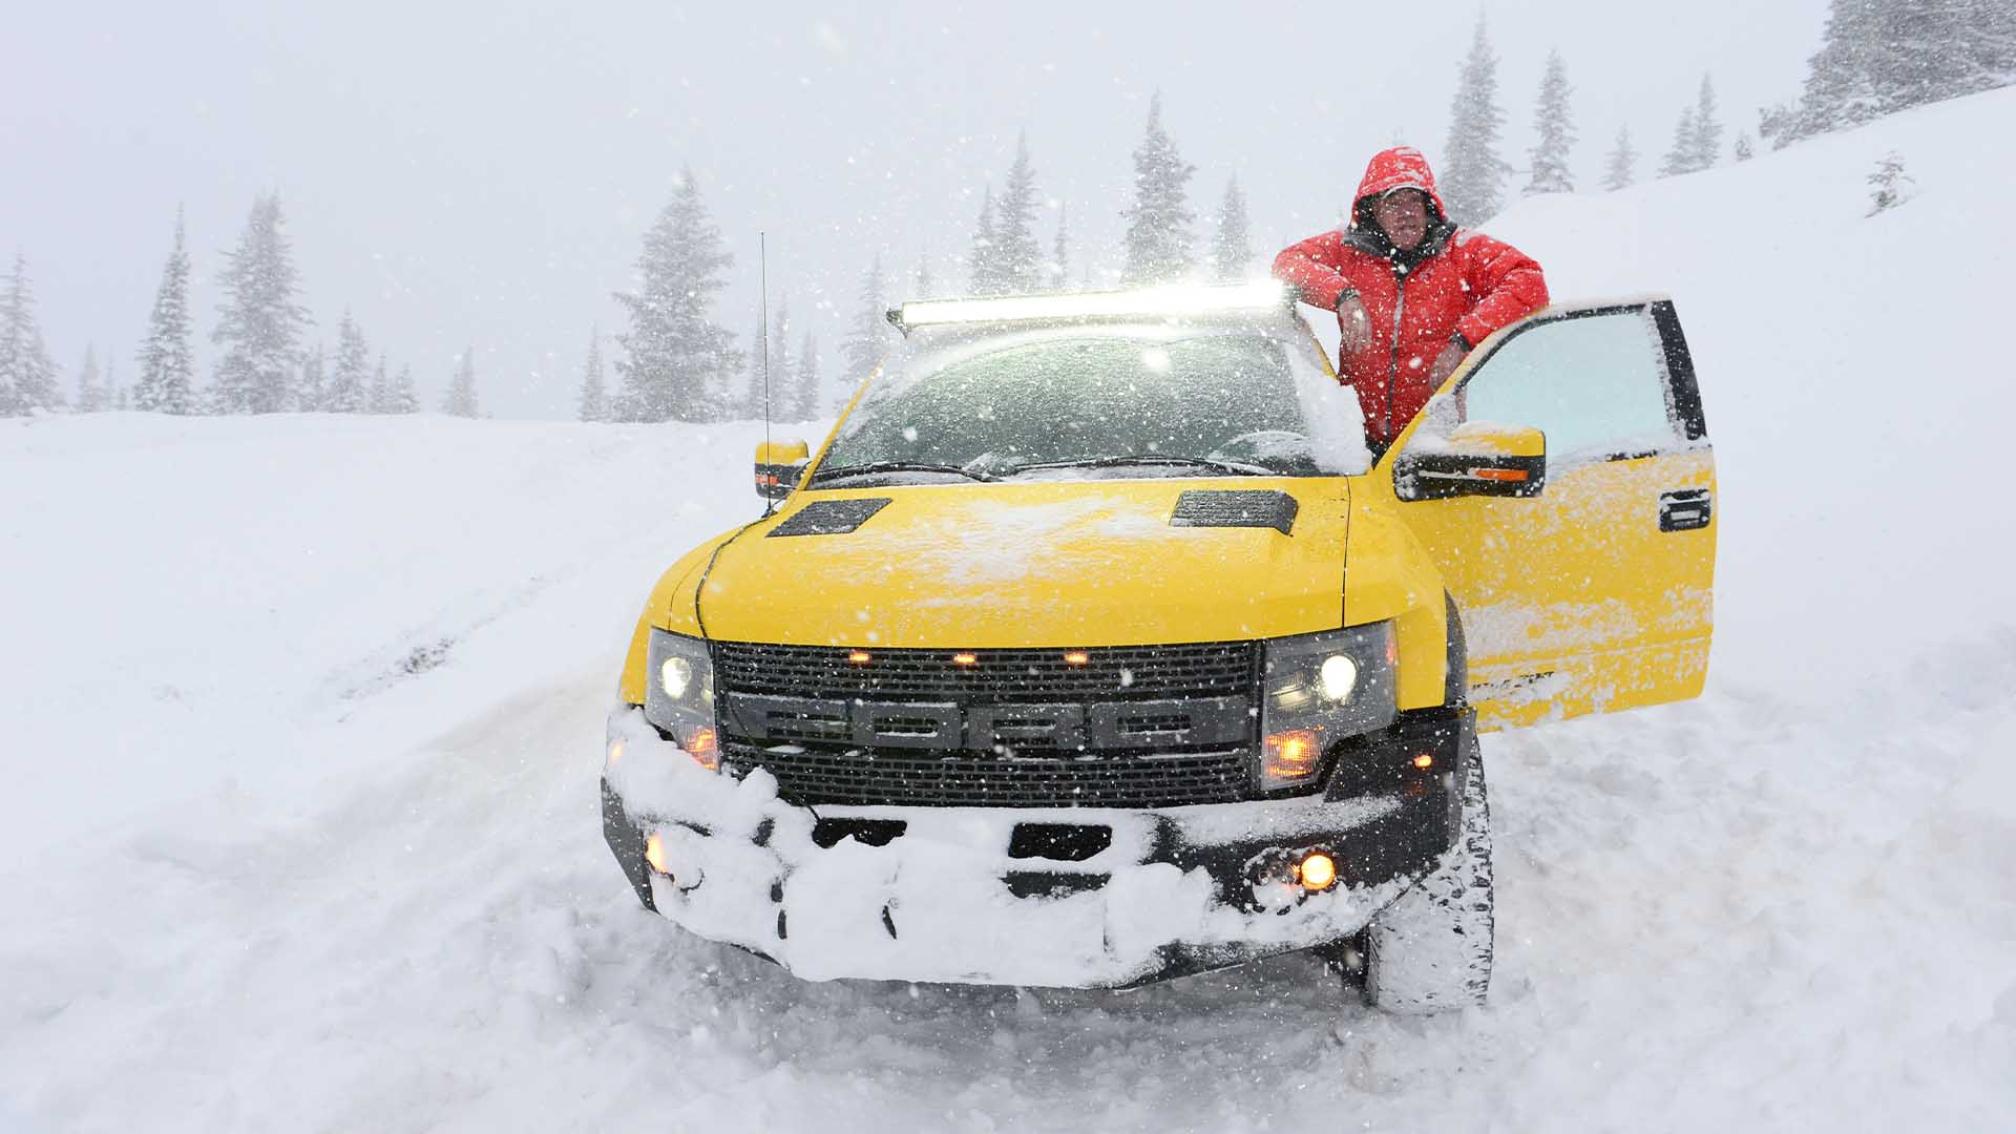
1048, 563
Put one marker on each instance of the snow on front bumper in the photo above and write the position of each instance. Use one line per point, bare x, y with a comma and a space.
938, 902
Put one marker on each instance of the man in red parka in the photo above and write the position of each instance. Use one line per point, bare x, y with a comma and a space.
1412, 292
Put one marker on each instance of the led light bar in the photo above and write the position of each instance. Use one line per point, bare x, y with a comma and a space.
1158, 302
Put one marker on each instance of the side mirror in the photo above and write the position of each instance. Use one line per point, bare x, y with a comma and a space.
1477, 458
779, 464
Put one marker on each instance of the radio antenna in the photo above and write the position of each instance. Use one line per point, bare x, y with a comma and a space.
763, 317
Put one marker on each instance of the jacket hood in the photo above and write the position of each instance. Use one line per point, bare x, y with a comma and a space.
1401, 167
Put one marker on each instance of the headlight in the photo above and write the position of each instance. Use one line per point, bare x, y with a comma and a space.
680, 697
1317, 689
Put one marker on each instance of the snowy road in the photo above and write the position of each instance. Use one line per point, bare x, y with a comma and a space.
303, 832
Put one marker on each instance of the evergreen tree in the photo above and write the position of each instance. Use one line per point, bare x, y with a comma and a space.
983, 263
261, 323
1745, 149
461, 399
810, 399
1231, 245
1159, 238
784, 401
27, 376
347, 392
404, 398
380, 397
115, 394
91, 393
1016, 249
868, 338
676, 356
1680, 159
1472, 172
1707, 130
1556, 130
594, 396
751, 402
1889, 185
167, 365
1060, 254
310, 395
1622, 167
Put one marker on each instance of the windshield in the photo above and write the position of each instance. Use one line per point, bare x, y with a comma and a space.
1082, 402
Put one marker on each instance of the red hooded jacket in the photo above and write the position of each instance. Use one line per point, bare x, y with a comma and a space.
1456, 282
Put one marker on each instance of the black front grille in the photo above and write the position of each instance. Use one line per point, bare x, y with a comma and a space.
828, 774
1214, 669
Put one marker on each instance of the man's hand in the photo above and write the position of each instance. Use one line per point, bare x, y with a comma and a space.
1354, 325
1446, 363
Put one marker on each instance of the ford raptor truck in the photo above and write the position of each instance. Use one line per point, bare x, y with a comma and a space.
1094, 648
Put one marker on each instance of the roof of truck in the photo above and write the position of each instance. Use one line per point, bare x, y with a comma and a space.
1170, 301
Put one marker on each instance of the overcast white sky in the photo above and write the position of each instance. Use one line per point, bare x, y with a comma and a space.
480, 172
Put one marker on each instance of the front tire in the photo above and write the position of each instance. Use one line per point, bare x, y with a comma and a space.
1430, 951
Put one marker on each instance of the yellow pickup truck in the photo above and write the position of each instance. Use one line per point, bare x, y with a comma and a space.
1094, 647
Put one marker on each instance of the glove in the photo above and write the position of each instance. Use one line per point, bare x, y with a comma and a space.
1447, 362
1354, 325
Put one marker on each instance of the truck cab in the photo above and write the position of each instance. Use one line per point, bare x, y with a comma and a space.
1094, 647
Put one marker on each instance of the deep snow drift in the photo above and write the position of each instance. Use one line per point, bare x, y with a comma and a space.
304, 718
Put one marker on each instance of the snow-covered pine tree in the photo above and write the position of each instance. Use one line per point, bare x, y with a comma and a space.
1991, 26
347, 392
1680, 159
115, 394
1707, 130
1231, 244
1840, 88
310, 392
1472, 172
404, 398
380, 398
810, 398
1159, 238
675, 354
594, 404
90, 384
1017, 254
27, 375
1059, 268
261, 324
1744, 149
983, 262
1889, 185
461, 399
749, 402
783, 399
868, 336
167, 364
1555, 127
1621, 168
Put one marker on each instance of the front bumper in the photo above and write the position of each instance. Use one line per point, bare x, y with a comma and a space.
1075, 897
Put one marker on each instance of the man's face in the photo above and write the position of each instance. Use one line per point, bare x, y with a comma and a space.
1403, 217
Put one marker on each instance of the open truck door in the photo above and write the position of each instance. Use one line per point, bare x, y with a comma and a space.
1563, 482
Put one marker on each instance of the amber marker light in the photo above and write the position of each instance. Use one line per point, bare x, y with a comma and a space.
654, 853
859, 657
1424, 761
965, 659
1318, 871
705, 748
1499, 474
616, 751
1291, 756
1077, 657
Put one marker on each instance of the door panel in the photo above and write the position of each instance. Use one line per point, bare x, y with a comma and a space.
1596, 594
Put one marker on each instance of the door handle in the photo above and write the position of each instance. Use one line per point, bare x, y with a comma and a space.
1684, 509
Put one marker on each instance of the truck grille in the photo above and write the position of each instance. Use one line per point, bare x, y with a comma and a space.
1147, 697
1212, 669
891, 777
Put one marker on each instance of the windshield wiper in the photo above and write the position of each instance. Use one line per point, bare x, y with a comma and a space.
1233, 468
895, 467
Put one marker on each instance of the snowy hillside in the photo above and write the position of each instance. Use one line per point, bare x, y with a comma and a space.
303, 723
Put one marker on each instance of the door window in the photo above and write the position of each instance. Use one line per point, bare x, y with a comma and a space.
1595, 384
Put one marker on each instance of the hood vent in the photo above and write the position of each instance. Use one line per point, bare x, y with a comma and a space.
830, 517
1265, 508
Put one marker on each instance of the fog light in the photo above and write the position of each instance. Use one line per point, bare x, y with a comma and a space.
1339, 676
654, 853
705, 748
616, 752
1424, 761
1291, 756
1318, 871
